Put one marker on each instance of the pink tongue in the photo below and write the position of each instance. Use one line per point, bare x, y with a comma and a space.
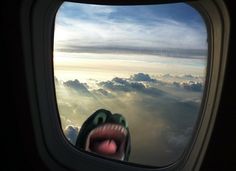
106, 147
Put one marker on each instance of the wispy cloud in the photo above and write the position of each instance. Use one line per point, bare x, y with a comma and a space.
98, 27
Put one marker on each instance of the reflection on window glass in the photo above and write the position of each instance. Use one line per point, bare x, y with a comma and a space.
129, 79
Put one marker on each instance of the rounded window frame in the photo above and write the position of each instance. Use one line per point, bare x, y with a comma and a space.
37, 24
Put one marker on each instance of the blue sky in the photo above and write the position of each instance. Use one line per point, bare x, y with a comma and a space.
129, 27
179, 11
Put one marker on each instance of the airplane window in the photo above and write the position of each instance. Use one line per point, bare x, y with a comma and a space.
129, 80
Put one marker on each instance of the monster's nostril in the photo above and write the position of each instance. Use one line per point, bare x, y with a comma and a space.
123, 122
100, 120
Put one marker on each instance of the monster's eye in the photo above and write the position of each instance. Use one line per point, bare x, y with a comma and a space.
100, 118
123, 122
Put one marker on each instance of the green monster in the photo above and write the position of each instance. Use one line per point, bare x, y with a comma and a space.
105, 134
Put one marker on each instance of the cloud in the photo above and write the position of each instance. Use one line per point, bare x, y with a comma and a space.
71, 133
120, 80
142, 77
184, 77
153, 113
178, 139
188, 76
133, 84
193, 86
107, 29
176, 84
119, 84
84, 11
79, 87
101, 92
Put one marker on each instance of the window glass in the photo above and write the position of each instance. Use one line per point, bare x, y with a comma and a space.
129, 79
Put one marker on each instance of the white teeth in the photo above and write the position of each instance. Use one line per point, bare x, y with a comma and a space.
123, 131
88, 140
111, 127
92, 132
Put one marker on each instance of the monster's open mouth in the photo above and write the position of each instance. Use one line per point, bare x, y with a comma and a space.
107, 140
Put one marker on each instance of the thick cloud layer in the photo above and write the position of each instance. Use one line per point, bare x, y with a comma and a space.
142, 77
119, 84
190, 85
80, 87
161, 113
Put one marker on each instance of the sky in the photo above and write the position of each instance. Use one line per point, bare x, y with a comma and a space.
145, 62
113, 38
99, 28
